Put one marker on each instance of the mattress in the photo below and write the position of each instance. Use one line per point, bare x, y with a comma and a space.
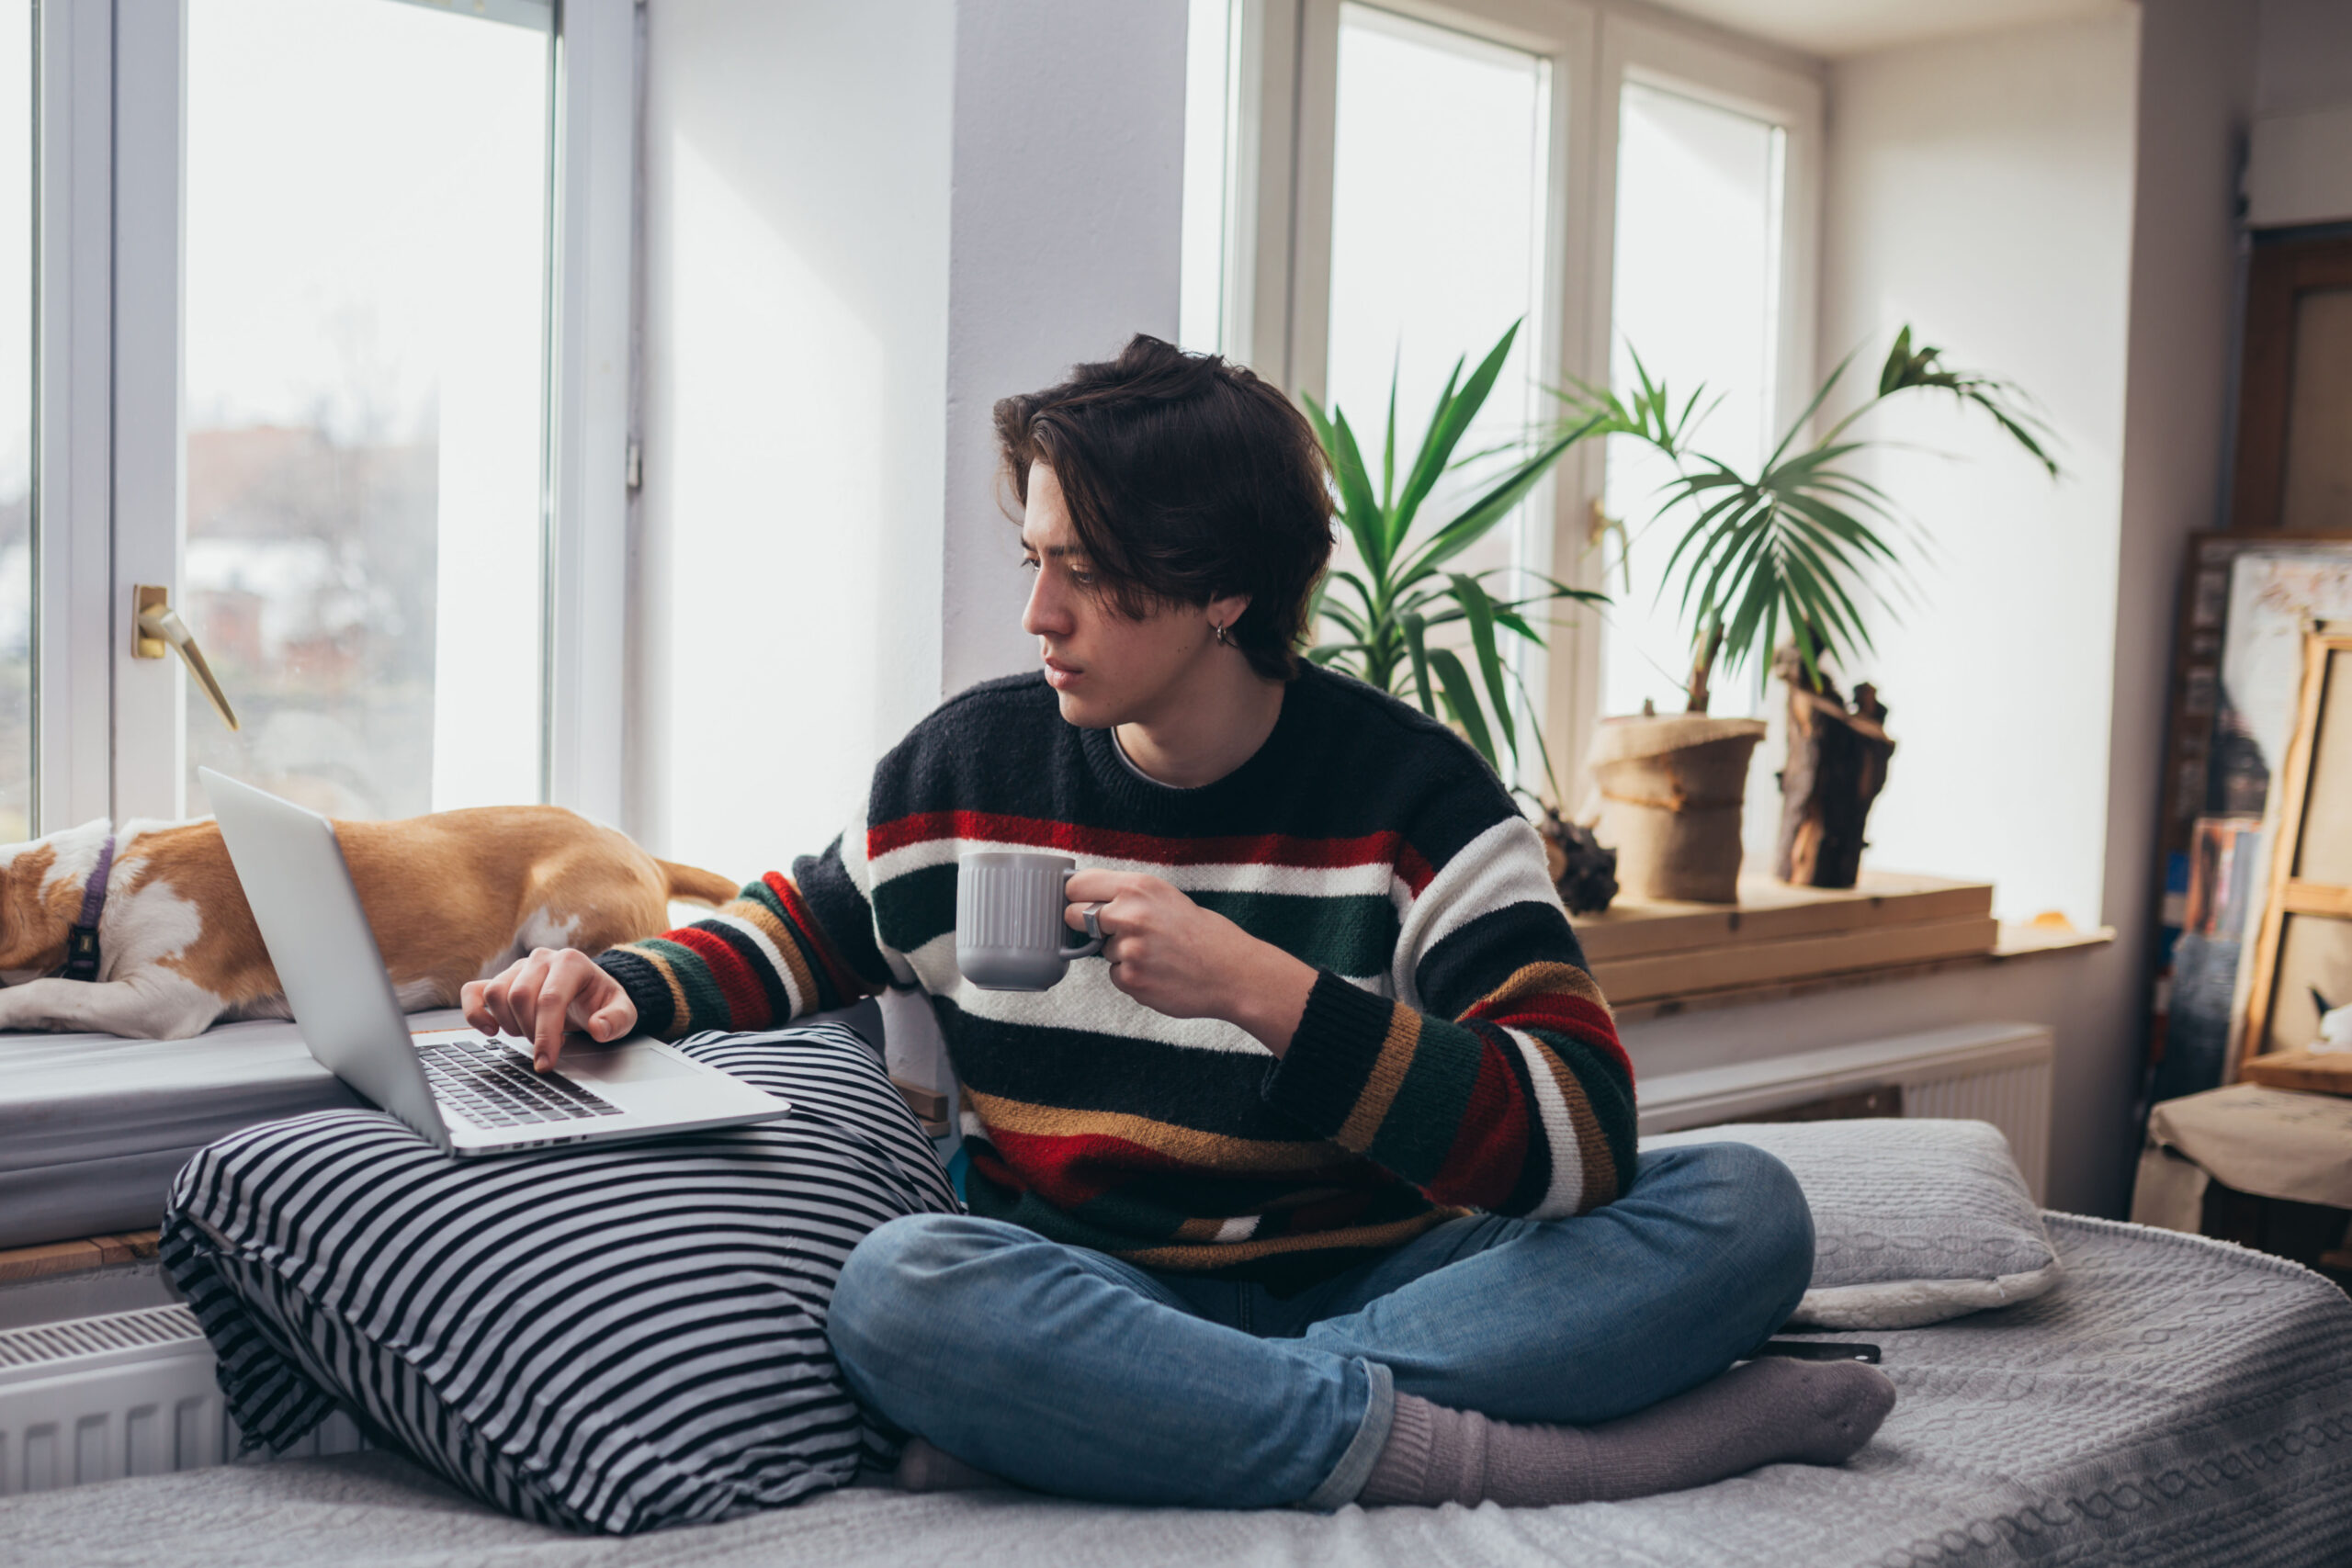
2174, 1400
93, 1128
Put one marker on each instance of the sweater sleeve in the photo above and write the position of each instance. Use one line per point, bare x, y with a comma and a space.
785, 947
1497, 1081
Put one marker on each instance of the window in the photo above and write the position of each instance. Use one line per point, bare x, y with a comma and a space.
1438, 134
1209, 104
1697, 295
365, 320
1405, 180
332, 350
17, 596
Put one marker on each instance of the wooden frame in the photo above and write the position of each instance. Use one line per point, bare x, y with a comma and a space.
2278, 277
2290, 894
2200, 638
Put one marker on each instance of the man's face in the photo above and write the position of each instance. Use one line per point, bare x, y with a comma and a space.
1106, 669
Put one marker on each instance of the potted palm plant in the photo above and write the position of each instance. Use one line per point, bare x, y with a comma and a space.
1396, 608
1795, 550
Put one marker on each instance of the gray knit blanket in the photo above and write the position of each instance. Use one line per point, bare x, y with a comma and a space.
2174, 1400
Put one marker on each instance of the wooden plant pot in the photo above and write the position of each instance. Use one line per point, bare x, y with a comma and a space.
1671, 789
1837, 759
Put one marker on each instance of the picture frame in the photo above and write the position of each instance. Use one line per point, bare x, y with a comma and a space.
2245, 602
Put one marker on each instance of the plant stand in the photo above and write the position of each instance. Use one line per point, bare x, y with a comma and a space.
1836, 765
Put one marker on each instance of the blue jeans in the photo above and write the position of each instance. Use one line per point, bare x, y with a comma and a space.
1070, 1372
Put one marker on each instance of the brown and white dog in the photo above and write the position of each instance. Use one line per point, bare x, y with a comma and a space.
453, 896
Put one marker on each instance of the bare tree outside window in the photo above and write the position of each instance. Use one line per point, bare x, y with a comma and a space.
367, 289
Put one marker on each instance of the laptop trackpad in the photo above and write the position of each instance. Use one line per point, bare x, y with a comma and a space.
624, 1063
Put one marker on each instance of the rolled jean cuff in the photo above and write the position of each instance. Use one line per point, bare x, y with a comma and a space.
1347, 1478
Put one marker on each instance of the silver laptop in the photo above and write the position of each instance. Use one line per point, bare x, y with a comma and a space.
460, 1090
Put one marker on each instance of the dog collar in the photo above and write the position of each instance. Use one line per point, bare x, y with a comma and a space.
82, 943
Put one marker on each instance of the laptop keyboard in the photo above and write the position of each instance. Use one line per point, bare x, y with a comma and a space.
489, 1086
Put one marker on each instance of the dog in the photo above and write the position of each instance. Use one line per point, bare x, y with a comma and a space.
142, 930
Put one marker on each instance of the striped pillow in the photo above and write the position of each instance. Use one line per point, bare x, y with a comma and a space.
605, 1339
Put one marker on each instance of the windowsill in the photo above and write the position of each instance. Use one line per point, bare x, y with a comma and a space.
1659, 960
2016, 944
57, 1259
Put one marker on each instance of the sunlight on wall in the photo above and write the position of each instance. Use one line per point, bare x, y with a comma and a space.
1982, 191
777, 425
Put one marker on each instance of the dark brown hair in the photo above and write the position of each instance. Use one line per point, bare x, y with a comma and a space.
1187, 479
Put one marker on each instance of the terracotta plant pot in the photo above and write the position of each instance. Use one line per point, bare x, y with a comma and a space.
1671, 790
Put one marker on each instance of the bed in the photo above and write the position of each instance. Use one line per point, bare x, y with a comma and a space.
2173, 1401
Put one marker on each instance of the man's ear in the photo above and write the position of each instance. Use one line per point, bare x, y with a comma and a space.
1225, 611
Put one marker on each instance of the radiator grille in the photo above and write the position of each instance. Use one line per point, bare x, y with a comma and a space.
1999, 1073
22, 1350
125, 1393
2014, 1099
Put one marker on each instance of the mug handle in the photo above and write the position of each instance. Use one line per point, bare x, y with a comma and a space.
1092, 944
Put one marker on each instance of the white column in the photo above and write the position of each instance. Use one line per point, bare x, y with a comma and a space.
1067, 222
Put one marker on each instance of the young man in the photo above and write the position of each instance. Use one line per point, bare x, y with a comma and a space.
1319, 1184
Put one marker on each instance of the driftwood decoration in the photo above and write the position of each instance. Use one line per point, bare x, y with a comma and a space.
1836, 765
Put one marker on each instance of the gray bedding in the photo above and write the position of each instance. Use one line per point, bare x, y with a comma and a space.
2173, 1401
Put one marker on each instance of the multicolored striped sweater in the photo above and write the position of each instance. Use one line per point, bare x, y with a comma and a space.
1453, 1056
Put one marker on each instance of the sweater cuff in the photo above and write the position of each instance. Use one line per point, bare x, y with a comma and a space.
1335, 1055
646, 989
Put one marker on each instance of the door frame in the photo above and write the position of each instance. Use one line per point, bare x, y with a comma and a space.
2282, 269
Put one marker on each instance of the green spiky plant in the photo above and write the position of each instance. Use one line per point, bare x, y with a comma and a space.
1403, 588
1797, 545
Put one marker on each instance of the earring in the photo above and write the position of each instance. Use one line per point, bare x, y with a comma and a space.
1223, 640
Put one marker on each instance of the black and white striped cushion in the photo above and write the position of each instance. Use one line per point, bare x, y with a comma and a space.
610, 1339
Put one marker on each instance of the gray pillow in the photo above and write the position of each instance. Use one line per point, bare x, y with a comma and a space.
1914, 1220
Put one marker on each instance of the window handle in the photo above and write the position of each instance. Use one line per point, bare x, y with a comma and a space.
159, 625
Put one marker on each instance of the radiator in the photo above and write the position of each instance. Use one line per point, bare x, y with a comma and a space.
1984, 1071
126, 1393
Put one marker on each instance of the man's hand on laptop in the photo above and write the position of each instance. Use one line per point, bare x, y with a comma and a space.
542, 996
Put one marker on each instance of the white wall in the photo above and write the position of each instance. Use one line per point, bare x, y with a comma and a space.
2305, 56
864, 225
794, 375
1981, 191
1068, 215
2195, 83
2300, 165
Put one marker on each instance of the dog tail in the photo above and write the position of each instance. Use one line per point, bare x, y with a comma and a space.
695, 884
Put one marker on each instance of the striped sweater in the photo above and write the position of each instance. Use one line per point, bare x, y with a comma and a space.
1455, 1054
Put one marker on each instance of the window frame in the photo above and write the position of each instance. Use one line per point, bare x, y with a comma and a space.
1277, 294
109, 470
1745, 83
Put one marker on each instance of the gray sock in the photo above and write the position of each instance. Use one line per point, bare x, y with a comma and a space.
1771, 1411
923, 1468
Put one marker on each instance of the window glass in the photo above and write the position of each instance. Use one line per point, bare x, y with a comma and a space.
1697, 293
367, 300
17, 596
1439, 166
1208, 108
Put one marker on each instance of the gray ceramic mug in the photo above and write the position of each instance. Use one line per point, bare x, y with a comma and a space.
1010, 935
